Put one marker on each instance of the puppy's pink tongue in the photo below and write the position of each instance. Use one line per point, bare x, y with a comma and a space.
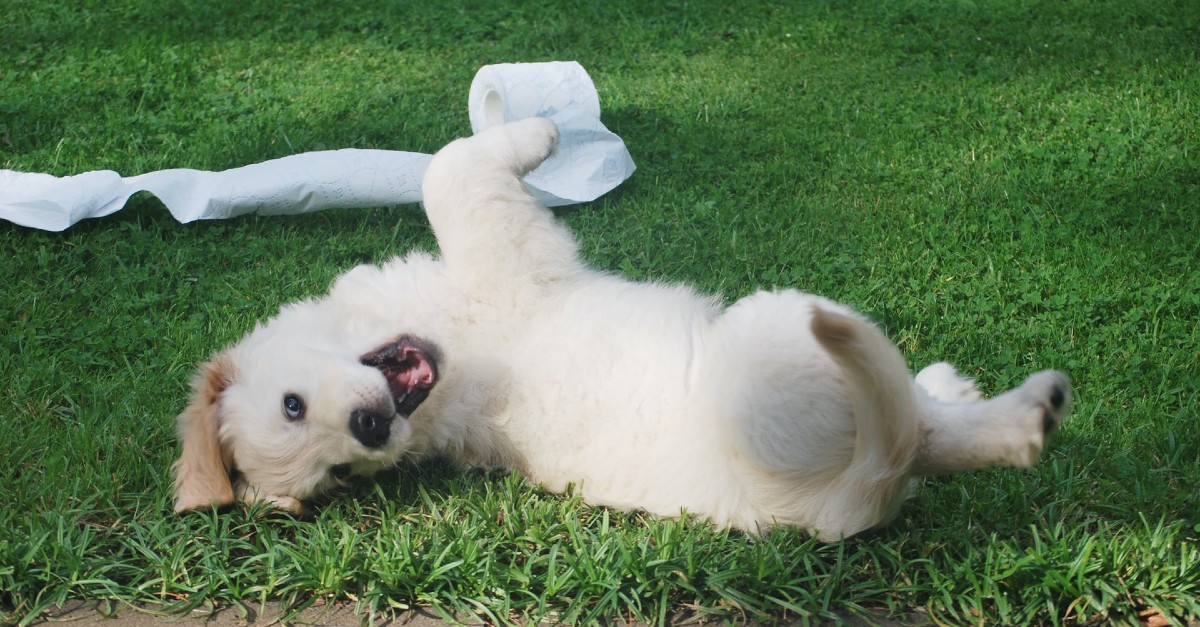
410, 366
418, 372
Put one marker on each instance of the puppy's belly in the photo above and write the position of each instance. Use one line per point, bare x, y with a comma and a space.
610, 394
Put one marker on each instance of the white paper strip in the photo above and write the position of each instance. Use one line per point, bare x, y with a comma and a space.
293, 184
590, 161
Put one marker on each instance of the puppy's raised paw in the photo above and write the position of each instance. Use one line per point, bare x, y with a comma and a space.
530, 142
516, 148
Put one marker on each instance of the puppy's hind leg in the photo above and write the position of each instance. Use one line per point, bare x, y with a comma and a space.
490, 229
1008, 430
942, 382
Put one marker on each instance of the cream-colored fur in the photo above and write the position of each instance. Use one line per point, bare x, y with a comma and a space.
785, 408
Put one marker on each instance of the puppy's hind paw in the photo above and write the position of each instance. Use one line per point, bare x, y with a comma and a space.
944, 383
1046, 400
1051, 390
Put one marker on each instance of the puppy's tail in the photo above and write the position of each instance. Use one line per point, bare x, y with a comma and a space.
881, 393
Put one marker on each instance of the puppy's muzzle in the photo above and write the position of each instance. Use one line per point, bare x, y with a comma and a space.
370, 428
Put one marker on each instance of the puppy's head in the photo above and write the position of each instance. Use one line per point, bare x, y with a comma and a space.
294, 409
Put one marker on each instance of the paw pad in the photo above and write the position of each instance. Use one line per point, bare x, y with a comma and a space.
1049, 422
1056, 398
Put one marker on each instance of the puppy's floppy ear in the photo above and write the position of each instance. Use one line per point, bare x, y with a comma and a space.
202, 470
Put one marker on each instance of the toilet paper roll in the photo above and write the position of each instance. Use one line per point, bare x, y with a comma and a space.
589, 162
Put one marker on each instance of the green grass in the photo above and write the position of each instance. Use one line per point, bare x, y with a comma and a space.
1005, 185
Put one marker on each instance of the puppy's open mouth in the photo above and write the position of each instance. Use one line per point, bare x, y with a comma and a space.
410, 366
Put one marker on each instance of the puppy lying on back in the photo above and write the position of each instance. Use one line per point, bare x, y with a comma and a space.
507, 351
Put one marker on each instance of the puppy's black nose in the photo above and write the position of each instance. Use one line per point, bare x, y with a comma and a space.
370, 428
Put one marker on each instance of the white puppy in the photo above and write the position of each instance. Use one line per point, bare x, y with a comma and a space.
507, 351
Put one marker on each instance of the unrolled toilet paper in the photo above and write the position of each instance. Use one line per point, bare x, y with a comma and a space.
590, 161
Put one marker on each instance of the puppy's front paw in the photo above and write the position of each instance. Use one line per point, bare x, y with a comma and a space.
1047, 399
533, 140
248, 494
516, 147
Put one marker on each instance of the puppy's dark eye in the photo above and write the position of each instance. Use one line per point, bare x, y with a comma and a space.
293, 407
339, 471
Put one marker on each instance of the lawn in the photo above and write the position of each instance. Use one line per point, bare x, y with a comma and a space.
1008, 186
